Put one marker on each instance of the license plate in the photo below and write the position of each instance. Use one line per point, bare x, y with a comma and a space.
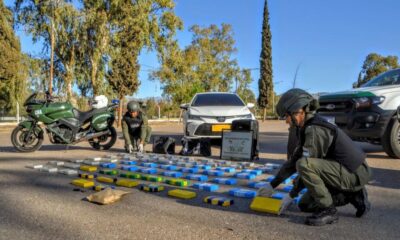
220, 127
329, 119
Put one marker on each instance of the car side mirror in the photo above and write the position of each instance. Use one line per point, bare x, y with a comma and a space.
184, 106
250, 105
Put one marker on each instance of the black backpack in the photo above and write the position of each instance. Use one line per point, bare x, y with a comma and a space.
195, 147
164, 145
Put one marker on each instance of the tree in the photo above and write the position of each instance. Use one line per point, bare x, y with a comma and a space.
265, 83
204, 65
37, 74
13, 64
38, 19
374, 65
134, 26
95, 39
66, 30
243, 90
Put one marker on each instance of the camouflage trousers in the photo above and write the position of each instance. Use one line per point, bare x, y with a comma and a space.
328, 182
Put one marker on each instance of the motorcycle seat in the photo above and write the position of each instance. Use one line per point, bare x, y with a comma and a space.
85, 116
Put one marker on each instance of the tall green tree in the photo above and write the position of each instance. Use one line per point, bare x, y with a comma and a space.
265, 83
95, 39
13, 64
204, 65
243, 89
136, 25
67, 30
39, 19
375, 64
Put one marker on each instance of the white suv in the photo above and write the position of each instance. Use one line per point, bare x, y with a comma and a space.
210, 113
368, 113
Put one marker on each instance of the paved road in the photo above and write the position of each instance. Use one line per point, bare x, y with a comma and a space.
35, 205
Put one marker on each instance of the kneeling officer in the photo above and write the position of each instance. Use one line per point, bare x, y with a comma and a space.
329, 164
135, 128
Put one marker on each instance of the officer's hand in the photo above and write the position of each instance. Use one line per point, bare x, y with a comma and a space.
265, 191
141, 148
130, 148
286, 201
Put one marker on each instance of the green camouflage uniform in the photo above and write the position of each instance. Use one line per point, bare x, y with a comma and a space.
322, 177
133, 137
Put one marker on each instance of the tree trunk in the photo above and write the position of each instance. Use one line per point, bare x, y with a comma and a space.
264, 114
180, 115
52, 42
121, 104
93, 76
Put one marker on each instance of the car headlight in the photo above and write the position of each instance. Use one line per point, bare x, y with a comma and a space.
365, 102
377, 100
193, 117
248, 116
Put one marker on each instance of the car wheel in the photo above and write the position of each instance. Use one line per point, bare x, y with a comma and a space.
391, 139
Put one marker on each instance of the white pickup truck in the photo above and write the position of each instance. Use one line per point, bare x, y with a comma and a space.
368, 113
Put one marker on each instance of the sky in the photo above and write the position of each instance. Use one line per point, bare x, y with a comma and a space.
327, 40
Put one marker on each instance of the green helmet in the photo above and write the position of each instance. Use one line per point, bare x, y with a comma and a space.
133, 106
295, 99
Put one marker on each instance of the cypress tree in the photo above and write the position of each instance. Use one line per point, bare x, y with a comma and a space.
265, 84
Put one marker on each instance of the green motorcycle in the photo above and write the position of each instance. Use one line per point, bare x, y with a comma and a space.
64, 124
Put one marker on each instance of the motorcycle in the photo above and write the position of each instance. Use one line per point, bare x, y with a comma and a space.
64, 124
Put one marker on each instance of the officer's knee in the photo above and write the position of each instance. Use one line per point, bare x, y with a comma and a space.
301, 165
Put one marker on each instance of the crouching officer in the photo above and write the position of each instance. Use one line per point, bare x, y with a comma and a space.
135, 128
329, 164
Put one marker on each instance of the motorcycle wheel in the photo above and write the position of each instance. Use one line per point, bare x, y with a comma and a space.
104, 142
33, 143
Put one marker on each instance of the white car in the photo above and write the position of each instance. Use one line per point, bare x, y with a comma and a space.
210, 113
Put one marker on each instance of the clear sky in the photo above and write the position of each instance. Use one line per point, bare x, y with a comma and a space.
329, 39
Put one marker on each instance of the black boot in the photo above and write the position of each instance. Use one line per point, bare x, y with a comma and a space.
322, 217
360, 202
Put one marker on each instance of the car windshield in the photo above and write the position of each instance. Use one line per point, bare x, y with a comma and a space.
385, 79
216, 99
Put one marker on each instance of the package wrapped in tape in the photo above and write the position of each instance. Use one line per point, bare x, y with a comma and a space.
106, 196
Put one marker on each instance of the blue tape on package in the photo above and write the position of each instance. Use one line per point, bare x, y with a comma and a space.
252, 171
241, 192
108, 165
129, 168
197, 177
287, 181
189, 170
225, 181
125, 162
206, 187
265, 169
168, 167
204, 167
245, 175
278, 195
148, 170
217, 173
273, 165
257, 184
227, 169
296, 200
270, 178
287, 188
172, 174
149, 165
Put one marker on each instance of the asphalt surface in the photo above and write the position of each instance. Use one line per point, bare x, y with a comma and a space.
36, 205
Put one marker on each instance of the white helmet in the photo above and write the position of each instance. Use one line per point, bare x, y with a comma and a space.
100, 102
